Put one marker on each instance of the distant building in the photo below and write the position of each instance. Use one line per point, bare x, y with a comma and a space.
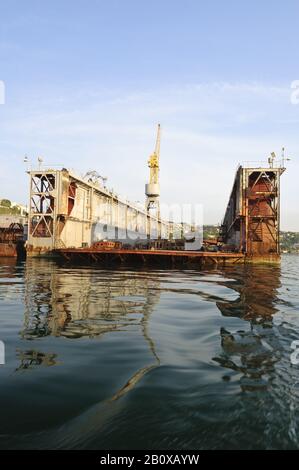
8, 207
23, 209
6, 220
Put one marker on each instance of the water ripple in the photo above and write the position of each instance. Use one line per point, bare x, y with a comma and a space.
149, 359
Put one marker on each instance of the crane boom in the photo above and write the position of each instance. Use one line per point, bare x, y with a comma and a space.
158, 142
154, 159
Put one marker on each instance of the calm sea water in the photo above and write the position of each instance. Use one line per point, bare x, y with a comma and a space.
127, 359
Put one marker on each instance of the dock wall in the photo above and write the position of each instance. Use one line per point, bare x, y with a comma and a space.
67, 211
252, 220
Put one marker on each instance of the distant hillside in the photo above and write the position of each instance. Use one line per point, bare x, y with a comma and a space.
210, 231
11, 208
289, 241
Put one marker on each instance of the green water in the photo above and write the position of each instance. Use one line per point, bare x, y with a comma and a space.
149, 359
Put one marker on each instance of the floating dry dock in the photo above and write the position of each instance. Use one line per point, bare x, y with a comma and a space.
68, 214
149, 257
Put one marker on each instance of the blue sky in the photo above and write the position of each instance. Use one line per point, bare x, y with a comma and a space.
87, 82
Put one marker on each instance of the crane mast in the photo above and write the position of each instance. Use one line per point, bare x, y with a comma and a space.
152, 189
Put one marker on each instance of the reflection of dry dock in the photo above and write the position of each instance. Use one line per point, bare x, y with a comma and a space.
161, 257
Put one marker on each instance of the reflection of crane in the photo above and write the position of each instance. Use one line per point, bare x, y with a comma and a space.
152, 189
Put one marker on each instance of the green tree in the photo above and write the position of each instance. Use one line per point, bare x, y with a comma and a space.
5, 203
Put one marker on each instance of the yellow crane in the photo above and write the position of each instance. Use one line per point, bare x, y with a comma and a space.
153, 162
152, 189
